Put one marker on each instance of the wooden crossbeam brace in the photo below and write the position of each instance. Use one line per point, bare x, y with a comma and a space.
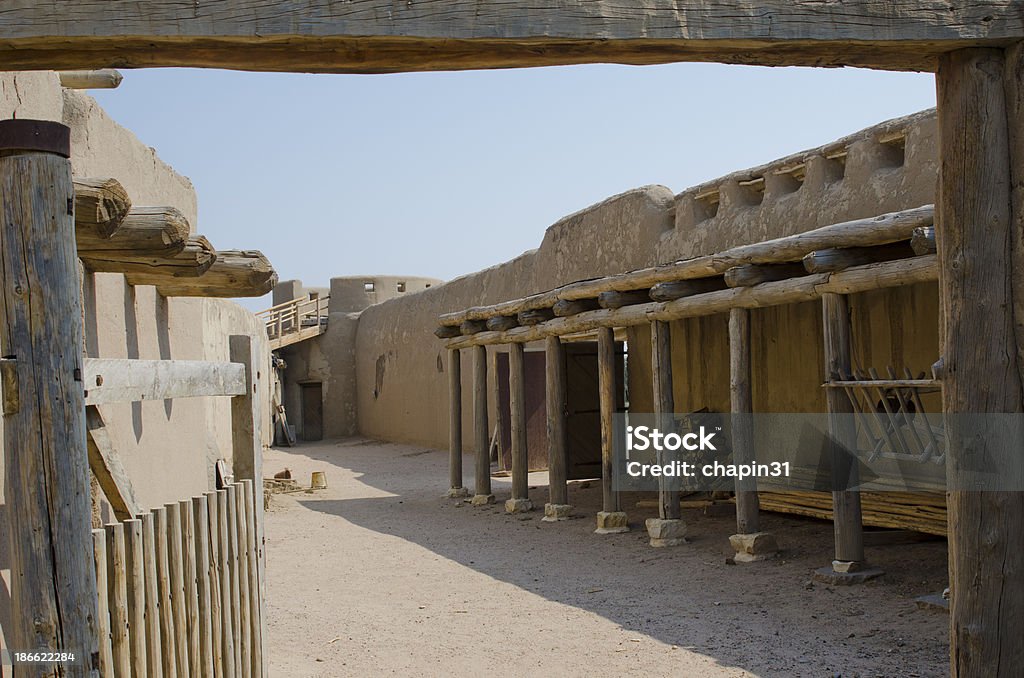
106, 467
117, 380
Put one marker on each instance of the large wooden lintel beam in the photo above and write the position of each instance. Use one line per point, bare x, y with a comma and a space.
145, 231
106, 467
379, 36
235, 273
111, 380
100, 207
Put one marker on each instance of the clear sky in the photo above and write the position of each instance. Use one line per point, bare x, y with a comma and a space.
441, 174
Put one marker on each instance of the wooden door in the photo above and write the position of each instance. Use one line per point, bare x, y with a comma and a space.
312, 412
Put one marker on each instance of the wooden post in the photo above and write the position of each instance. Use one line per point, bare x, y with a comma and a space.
667, 529
256, 612
188, 555
520, 500
154, 648
201, 528
117, 594
610, 519
135, 570
244, 601
980, 212
231, 519
558, 507
99, 556
481, 431
47, 485
176, 579
455, 488
168, 656
216, 609
224, 570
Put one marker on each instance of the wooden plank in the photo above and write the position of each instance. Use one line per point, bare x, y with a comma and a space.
216, 599
47, 487
794, 290
194, 259
517, 421
238, 623
245, 593
454, 421
606, 393
99, 559
168, 642
154, 647
664, 409
104, 78
481, 430
101, 205
106, 467
742, 405
849, 540
224, 571
981, 268
258, 667
885, 228
188, 559
201, 528
235, 273
115, 380
135, 569
374, 37
117, 594
558, 441
176, 580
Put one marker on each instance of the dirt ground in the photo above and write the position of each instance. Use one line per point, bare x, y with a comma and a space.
380, 575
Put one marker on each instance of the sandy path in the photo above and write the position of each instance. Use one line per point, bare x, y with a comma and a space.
380, 575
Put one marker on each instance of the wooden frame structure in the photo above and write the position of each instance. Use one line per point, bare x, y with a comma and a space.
975, 49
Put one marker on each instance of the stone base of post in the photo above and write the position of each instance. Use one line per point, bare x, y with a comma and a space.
753, 547
611, 522
457, 493
665, 532
482, 499
518, 505
847, 572
556, 512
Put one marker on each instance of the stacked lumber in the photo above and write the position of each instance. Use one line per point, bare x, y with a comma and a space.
918, 511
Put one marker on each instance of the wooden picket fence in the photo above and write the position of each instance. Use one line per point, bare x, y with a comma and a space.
180, 589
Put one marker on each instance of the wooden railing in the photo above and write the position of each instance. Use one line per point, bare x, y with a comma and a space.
295, 320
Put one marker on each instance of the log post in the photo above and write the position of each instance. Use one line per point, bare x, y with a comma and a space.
558, 507
749, 542
667, 529
455, 488
610, 519
520, 500
481, 430
848, 563
47, 469
981, 281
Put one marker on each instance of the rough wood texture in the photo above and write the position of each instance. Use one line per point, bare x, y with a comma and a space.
135, 569
841, 258
176, 580
154, 648
517, 421
145, 231
117, 595
100, 207
565, 307
224, 570
201, 528
472, 327
981, 267
244, 597
448, 331
796, 290
748, 275
615, 299
454, 420
168, 655
47, 473
104, 78
664, 408
378, 37
142, 268
535, 316
214, 568
115, 380
235, 273
107, 469
677, 289
188, 558
846, 521
742, 404
501, 323
231, 539
99, 559
923, 240
606, 397
558, 443
258, 633
481, 431
867, 232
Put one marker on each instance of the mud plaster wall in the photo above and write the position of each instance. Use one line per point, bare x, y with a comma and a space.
166, 447
888, 167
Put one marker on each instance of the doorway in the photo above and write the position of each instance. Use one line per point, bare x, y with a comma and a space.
312, 411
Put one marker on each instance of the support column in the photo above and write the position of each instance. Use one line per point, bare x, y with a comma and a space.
749, 542
558, 507
520, 500
667, 529
848, 565
53, 582
610, 519
980, 213
482, 434
455, 488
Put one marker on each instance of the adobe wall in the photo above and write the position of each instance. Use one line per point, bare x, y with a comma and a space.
400, 365
168, 448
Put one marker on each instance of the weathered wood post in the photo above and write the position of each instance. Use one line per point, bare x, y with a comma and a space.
455, 488
749, 542
610, 519
667, 529
482, 434
558, 507
848, 563
980, 213
520, 500
53, 583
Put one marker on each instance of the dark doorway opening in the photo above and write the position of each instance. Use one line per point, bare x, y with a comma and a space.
312, 411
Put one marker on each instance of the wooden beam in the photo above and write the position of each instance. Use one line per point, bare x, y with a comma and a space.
104, 78
664, 410
742, 405
481, 430
100, 207
565, 307
871, 231
47, 491
501, 323
195, 258
472, 327
114, 380
106, 467
842, 258
616, 299
375, 37
748, 275
535, 316
923, 240
981, 268
558, 442
677, 289
235, 273
152, 231
795, 290
448, 331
